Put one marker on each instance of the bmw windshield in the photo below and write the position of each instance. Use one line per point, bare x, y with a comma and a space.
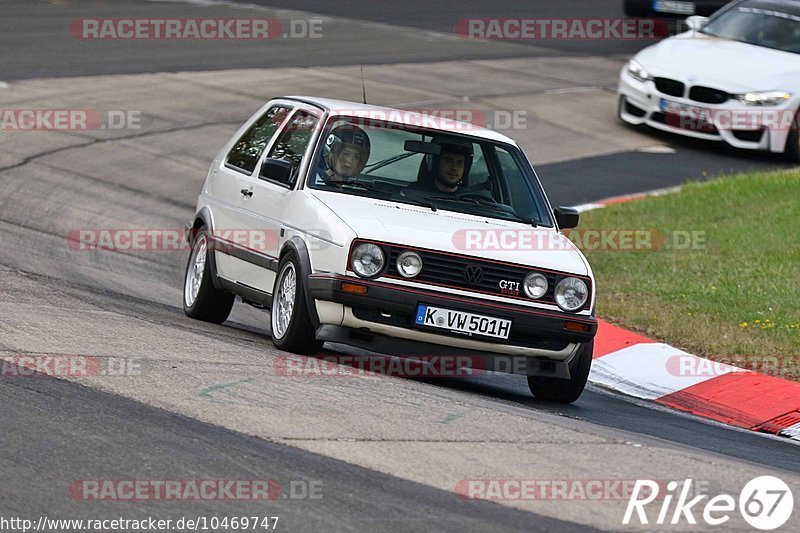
759, 25
438, 170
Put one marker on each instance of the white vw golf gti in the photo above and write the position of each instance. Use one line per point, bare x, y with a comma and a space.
396, 232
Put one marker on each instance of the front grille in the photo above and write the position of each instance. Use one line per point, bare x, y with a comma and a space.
707, 95
449, 270
670, 87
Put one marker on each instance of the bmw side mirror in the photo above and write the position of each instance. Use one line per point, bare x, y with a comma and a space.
276, 170
566, 217
696, 22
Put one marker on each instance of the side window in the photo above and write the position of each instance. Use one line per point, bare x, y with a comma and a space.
479, 173
246, 152
521, 194
293, 140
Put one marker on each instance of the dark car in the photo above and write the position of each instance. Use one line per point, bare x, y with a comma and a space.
671, 8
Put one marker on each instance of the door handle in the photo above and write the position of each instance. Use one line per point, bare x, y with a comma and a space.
247, 192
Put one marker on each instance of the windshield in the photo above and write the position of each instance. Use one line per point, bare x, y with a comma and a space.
759, 26
435, 169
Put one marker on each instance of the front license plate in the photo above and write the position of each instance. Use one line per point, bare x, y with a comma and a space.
676, 108
461, 322
672, 6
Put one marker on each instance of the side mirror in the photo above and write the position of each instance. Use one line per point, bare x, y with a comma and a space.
276, 170
566, 217
696, 22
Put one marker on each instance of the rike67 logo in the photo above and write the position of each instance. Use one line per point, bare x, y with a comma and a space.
765, 503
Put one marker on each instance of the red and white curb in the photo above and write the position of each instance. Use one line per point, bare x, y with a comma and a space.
625, 198
640, 367
643, 368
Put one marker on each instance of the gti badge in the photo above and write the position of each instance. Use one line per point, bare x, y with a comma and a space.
509, 287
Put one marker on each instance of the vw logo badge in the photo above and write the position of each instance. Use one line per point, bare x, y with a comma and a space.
473, 274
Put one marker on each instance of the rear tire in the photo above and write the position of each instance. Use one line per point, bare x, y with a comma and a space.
201, 300
290, 322
565, 390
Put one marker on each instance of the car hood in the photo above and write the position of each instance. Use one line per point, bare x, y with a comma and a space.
721, 63
457, 233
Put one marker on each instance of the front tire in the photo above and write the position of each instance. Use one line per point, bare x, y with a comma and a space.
565, 390
290, 322
792, 150
200, 299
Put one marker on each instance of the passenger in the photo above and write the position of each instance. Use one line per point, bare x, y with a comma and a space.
349, 151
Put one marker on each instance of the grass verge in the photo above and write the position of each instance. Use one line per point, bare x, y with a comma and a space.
721, 277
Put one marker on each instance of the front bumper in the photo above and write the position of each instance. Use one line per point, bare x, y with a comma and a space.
390, 311
741, 126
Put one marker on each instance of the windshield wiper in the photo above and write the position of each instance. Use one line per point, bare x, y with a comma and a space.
389, 161
525, 220
477, 199
355, 183
423, 203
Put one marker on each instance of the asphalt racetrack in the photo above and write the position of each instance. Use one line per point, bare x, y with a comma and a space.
205, 401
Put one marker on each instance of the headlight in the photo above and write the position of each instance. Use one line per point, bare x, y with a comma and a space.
638, 71
409, 264
571, 294
535, 285
764, 98
367, 260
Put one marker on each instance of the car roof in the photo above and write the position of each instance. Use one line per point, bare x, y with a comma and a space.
406, 116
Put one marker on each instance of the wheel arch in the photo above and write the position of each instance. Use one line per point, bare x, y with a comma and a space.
204, 218
298, 246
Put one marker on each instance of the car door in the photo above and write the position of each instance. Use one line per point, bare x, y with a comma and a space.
266, 208
231, 181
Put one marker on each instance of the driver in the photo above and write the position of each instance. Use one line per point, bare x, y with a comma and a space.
448, 171
349, 151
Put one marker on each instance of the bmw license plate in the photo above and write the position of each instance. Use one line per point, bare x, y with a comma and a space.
671, 6
461, 322
676, 108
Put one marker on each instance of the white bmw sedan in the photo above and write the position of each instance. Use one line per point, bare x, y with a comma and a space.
733, 78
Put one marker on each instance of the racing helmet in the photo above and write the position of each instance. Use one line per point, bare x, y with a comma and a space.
452, 145
348, 134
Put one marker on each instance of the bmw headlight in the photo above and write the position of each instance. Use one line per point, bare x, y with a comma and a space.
535, 285
637, 71
760, 98
409, 264
571, 294
367, 260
